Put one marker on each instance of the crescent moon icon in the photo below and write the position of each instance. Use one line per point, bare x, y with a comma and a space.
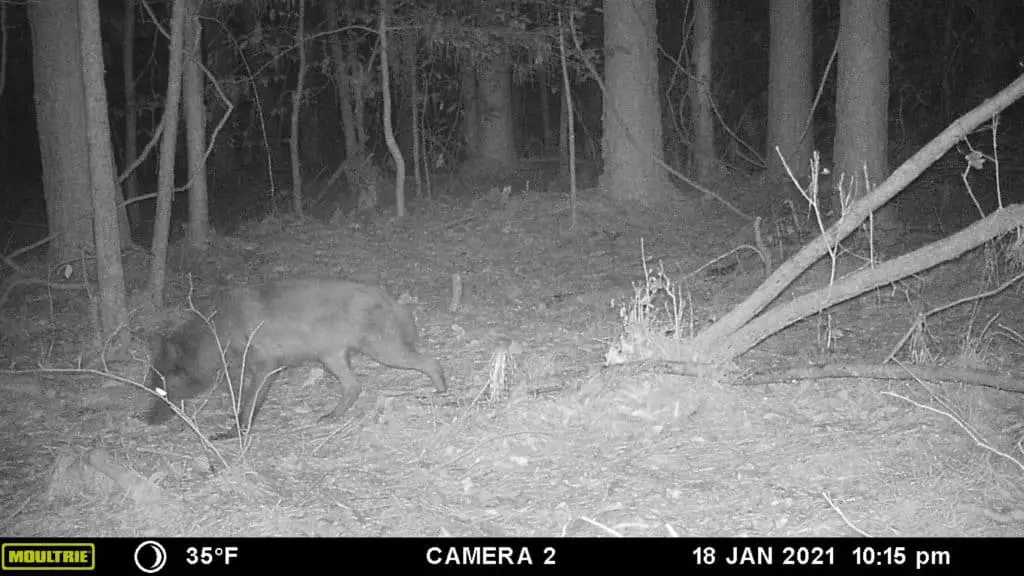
154, 564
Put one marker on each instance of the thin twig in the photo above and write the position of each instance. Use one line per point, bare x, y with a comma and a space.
843, 516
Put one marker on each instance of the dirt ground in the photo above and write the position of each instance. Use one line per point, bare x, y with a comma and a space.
574, 447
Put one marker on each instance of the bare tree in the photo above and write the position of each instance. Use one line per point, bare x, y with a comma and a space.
633, 150
113, 313
862, 103
471, 113
165, 178
342, 81
195, 129
61, 124
293, 142
789, 87
389, 133
131, 148
492, 101
704, 156
412, 71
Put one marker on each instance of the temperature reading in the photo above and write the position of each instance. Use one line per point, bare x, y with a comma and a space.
207, 555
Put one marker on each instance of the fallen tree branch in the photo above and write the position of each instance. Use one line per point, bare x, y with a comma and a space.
857, 283
972, 376
720, 341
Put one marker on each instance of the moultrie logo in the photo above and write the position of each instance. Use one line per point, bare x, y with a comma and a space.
48, 556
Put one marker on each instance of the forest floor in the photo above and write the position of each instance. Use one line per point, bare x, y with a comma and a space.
575, 447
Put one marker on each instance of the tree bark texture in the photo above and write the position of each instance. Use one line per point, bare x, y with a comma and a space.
62, 128
632, 143
168, 146
862, 101
496, 139
113, 312
195, 129
790, 88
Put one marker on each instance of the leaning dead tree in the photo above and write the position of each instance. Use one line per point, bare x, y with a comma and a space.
742, 328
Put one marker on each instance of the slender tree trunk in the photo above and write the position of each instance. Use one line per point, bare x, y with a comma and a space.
470, 108
113, 313
221, 64
358, 76
265, 97
62, 128
131, 147
293, 144
547, 133
704, 156
357, 80
389, 133
414, 93
862, 102
632, 144
195, 129
563, 134
165, 178
570, 125
402, 62
124, 229
789, 87
342, 81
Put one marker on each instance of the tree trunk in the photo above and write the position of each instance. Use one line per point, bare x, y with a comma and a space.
265, 97
404, 70
293, 142
563, 137
789, 88
704, 156
195, 130
358, 76
389, 133
632, 142
168, 144
571, 131
470, 108
414, 109
496, 149
862, 103
113, 313
221, 64
62, 128
131, 146
547, 132
342, 81
124, 229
